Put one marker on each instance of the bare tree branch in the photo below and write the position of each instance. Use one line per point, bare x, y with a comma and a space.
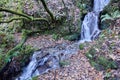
17, 18
14, 12
47, 9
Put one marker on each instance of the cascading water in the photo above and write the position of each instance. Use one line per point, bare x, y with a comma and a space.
100, 4
49, 58
90, 30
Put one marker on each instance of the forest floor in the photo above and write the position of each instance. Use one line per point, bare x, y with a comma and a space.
79, 67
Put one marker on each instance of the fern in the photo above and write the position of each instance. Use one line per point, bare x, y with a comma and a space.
112, 16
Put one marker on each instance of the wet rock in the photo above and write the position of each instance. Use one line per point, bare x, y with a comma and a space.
10, 70
118, 50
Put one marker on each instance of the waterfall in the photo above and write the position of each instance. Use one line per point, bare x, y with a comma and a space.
99, 5
89, 29
30, 68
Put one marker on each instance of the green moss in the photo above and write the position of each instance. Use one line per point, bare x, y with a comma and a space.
72, 37
64, 63
24, 53
35, 78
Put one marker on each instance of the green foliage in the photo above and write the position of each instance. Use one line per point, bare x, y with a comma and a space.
35, 78
6, 42
81, 46
104, 25
12, 4
107, 76
72, 37
16, 5
92, 51
3, 2
56, 36
107, 64
84, 5
110, 13
112, 7
88, 55
63, 63
23, 54
9, 49
111, 16
100, 62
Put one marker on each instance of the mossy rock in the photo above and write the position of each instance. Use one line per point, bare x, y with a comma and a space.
72, 37
104, 25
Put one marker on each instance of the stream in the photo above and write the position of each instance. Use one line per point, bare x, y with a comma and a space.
48, 58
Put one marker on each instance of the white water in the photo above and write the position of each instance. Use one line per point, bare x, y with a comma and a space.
100, 4
47, 59
30, 68
90, 30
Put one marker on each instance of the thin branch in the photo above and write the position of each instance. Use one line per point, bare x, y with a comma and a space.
40, 19
65, 8
47, 9
17, 18
23, 18
17, 13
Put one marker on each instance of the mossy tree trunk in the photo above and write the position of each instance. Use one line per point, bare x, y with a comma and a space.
27, 17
